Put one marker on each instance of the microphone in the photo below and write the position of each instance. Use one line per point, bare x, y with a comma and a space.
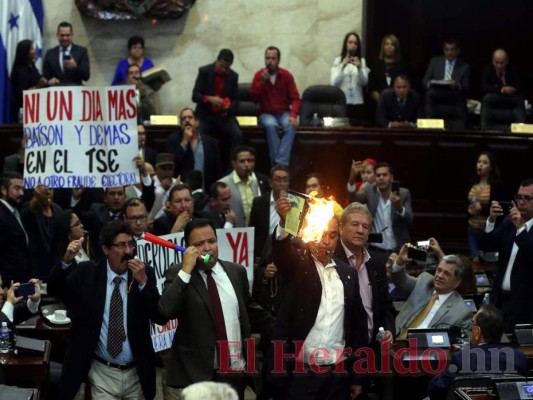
165, 243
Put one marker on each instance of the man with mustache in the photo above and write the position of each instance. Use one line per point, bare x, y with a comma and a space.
111, 303
432, 301
194, 151
276, 92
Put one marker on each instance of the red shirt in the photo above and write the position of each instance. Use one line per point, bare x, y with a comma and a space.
279, 98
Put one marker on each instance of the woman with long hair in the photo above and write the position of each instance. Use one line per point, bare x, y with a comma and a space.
350, 73
486, 187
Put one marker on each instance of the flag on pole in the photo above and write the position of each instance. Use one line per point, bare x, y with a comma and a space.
19, 20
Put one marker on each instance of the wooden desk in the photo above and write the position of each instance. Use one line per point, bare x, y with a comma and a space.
27, 370
40, 328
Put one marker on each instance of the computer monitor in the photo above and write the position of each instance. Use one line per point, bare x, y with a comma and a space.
524, 334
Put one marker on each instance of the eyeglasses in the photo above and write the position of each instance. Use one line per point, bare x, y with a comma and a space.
142, 218
123, 245
278, 179
520, 197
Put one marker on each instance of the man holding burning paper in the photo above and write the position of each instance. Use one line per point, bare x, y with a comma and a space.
321, 320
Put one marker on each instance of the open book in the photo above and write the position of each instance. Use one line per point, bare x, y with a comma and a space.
155, 77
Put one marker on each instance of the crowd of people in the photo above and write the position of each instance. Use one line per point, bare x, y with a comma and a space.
314, 303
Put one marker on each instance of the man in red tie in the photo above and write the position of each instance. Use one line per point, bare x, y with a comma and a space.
499, 77
215, 310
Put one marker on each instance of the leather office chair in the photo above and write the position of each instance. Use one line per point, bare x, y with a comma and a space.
499, 111
447, 104
246, 106
324, 100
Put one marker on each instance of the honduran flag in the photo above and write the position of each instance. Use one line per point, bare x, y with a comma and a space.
19, 20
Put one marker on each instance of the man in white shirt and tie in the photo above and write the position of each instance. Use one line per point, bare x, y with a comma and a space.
448, 67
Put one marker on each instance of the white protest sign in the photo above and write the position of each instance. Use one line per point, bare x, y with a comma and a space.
80, 136
235, 245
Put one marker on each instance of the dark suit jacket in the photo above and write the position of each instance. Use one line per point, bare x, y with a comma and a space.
205, 86
377, 77
490, 83
214, 215
75, 76
150, 155
193, 347
389, 108
15, 260
383, 311
260, 220
12, 163
82, 287
89, 196
437, 68
93, 221
302, 295
369, 196
487, 358
501, 239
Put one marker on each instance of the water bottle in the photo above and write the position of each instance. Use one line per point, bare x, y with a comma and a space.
4, 338
380, 335
486, 299
315, 121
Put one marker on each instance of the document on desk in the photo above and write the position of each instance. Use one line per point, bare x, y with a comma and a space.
441, 82
15, 393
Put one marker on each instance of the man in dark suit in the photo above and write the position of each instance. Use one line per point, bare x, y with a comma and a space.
100, 214
399, 107
216, 94
499, 77
15, 264
66, 64
219, 206
355, 226
392, 211
193, 151
485, 355
448, 67
180, 206
321, 310
111, 304
212, 303
513, 240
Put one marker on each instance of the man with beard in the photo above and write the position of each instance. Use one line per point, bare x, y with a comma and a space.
15, 261
513, 239
276, 92
111, 303
193, 151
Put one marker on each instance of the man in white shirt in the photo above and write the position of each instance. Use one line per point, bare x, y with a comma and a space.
512, 238
320, 317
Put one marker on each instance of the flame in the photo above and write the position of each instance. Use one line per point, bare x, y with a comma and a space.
317, 218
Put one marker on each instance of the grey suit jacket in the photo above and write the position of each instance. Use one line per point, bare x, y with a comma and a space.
419, 290
236, 199
370, 196
193, 347
436, 70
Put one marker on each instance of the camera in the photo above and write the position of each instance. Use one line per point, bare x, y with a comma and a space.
417, 253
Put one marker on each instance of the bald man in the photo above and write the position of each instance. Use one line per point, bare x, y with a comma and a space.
498, 76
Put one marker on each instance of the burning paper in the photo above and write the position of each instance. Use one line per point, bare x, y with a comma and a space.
309, 216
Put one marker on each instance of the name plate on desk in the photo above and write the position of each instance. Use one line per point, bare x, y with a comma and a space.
521, 128
426, 123
246, 121
164, 120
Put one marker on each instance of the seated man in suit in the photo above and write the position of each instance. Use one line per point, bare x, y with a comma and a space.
432, 301
399, 107
213, 304
486, 355
499, 77
111, 304
14, 309
194, 151
245, 184
219, 206
216, 94
392, 211
180, 210
67, 63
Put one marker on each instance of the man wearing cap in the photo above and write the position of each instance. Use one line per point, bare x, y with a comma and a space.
163, 182
193, 151
216, 94
276, 92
